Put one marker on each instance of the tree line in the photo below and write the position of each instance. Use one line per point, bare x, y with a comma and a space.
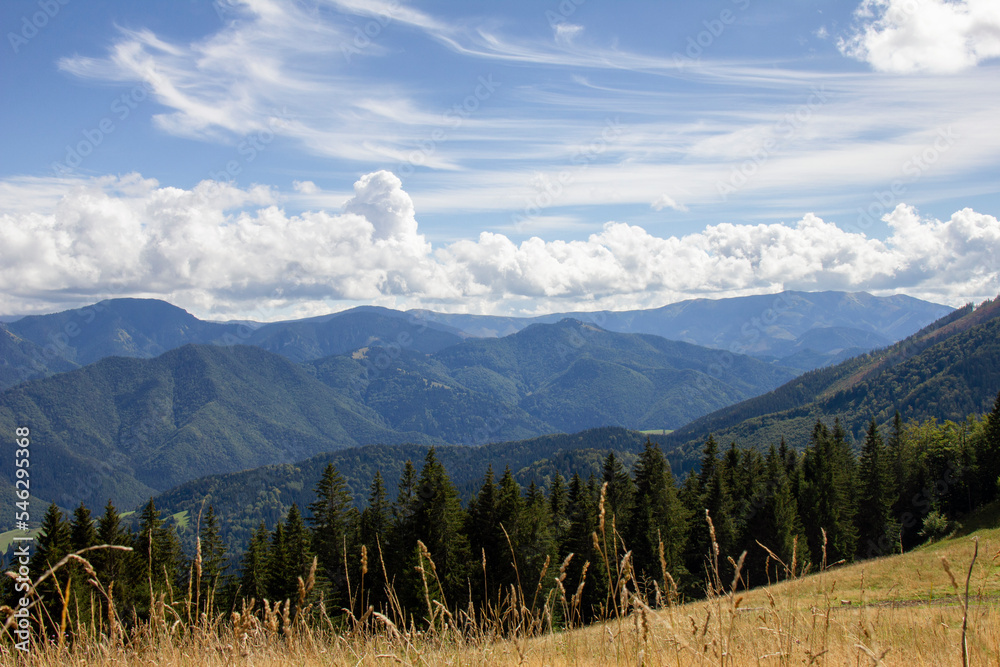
784, 510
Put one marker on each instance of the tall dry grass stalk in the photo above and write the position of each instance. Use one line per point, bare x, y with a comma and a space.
794, 620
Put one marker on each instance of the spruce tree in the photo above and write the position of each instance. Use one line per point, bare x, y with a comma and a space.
83, 534
709, 497
439, 521
877, 532
213, 555
827, 500
298, 549
583, 517
620, 491
657, 517
157, 552
374, 533
775, 523
254, 573
330, 528
557, 508
52, 545
989, 455
279, 585
111, 564
485, 539
537, 544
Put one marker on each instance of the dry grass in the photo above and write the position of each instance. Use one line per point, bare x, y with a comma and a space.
901, 610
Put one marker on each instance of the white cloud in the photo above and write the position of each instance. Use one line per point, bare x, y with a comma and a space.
223, 251
937, 36
666, 201
305, 187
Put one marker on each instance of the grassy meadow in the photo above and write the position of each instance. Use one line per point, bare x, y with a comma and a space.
906, 609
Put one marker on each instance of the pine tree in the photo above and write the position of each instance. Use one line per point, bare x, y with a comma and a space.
254, 573
827, 500
657, 517
877, 533
989, 456
374, 533
213, 555
277, 578
330, 528
557, 508
53, 544
157, 552
439, 520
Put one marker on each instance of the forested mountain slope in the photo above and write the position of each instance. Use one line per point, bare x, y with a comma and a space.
946, 371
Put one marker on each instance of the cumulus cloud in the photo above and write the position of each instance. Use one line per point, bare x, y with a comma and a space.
666, 201
937, 36
222, 251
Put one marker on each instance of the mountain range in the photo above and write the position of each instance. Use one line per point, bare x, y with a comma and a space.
127, 428
130, 397
948, 370
798, 330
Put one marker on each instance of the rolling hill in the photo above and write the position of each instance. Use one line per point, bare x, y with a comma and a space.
563, 377
127, 429
945, 371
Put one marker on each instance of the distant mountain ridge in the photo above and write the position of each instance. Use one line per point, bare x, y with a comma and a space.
799, 330
789, 327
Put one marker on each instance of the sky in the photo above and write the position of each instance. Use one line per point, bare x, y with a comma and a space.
266, 159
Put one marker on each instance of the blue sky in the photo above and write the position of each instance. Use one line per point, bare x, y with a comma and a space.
272, 158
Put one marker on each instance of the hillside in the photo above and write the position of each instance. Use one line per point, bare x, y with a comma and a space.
127, 429
342, 333
945, 371
22, 360
142, 328
562, 377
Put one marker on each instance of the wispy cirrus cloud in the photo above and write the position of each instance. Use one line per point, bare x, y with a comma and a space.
685, 135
